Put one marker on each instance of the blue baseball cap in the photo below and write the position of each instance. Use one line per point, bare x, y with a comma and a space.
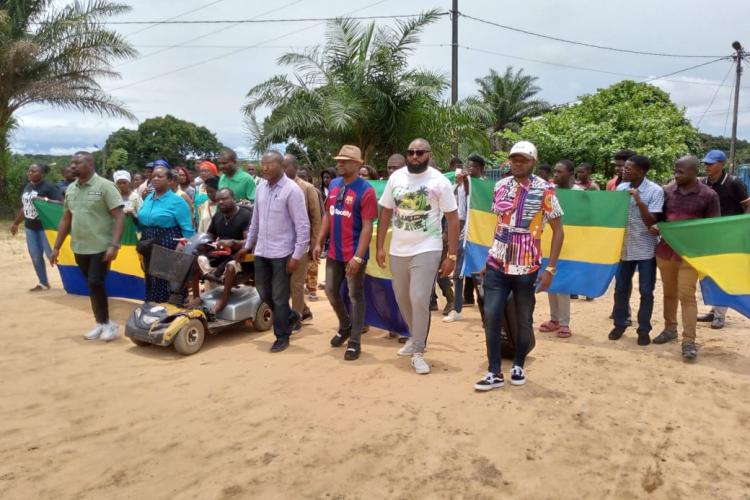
715, 156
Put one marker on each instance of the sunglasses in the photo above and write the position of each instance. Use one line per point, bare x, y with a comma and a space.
340, 196
416, 152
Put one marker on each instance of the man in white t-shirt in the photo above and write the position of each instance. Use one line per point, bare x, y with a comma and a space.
415, 200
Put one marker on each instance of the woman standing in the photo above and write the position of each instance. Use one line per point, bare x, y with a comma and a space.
164, 218
326, 176
368, 173
183, 180
205, 212
36, 239
130, 198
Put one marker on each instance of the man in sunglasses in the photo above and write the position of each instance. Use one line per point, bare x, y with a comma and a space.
350, 209
415, 200
733, 200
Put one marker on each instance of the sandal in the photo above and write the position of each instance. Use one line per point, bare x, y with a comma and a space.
549, 326
564, 332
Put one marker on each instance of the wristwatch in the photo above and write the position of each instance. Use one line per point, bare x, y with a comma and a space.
551, 270
358, 260
452, 256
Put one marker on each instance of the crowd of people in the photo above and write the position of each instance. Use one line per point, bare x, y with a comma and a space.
276, 213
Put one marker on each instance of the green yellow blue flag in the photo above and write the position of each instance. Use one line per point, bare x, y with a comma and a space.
719, 249
594, 224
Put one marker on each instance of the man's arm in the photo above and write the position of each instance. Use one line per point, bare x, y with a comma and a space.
63, 229
313, 213
558, 236
384, 222
648, 217
118, 214
252, 232
298, 211
448, 265
353, 266
16, 222
324, 226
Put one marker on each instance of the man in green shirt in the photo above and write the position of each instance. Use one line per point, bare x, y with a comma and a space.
240, 182
94, 218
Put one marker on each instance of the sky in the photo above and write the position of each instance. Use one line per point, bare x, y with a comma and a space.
202, 72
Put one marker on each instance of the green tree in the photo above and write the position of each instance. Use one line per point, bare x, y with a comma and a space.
627, 114
510, 98
357, 88
177, 141
117, 160
55, 56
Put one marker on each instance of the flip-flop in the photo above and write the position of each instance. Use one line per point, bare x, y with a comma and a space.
564, 332
549, 326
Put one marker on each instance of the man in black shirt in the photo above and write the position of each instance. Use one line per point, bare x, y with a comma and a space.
36, 239
733, 199
229, 228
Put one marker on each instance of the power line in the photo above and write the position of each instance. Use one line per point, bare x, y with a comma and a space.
713, 98
200, 7
583, 44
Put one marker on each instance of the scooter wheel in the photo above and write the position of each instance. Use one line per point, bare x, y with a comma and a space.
263, 318
190, 339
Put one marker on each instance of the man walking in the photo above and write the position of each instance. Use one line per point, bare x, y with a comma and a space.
685, 198
240, 182
350, 209
733, 200
523, 203
638, 248
312, 206
416, 199
93, 216
280, 235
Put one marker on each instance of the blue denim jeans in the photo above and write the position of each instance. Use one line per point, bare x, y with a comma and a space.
497, 287
272, 282
624, 286
36, 242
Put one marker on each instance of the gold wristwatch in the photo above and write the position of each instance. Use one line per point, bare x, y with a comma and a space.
358, 260
452, 257
551, 270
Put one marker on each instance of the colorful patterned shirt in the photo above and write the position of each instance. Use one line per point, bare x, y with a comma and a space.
522, 212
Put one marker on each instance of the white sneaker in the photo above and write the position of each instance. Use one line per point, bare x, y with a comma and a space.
489, 382
419, 364
517, 375
95, 332
452, 316
409, 349
109, 332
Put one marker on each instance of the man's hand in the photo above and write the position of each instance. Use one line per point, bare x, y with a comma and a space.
14, 229
655, 230
635, 195
240, 255
447, 267
352, 268
316, 253
110, 254
53, 257
291, 266
544, 280
380, 257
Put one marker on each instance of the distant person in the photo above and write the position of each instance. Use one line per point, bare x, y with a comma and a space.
414, 202
146, 189
733, 200
620, 158
350, 209
164, 218
252, 169
368, 173
685, 198
132, 202
174, 185
583, 178
311, 282
137, 181
184, 180
314, 216
559, 303
207, 208
638, 249
67, 179
240, 182
280, 236
545, 172
36, 239
523, 204
326, 176
93, 216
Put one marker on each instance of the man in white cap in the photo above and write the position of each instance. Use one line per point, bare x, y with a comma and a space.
523, 203
130, 197
416, 198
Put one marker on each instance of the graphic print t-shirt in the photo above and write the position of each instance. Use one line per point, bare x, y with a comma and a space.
44, 189
418, 202
357, 203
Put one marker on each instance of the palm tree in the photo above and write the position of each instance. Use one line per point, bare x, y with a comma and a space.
357, 89
510, 98
55, 56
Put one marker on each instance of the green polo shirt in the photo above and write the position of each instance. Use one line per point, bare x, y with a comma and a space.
241, 183
91, 205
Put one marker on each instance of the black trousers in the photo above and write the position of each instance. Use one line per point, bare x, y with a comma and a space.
94, 269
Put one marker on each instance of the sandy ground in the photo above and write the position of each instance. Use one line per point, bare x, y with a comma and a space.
597, 419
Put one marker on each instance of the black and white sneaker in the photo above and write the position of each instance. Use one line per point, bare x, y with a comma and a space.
517, 375
489, 382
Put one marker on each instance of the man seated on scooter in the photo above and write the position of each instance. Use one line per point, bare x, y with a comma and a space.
228, 228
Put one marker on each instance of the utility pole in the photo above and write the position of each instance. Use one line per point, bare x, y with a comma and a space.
733, 147
454, 64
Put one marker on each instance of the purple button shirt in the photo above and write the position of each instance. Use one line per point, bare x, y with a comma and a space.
280, 226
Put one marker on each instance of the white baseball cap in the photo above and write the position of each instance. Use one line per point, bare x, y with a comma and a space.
524, 148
